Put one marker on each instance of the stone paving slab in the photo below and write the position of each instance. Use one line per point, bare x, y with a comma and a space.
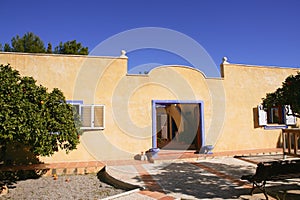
216, 178
126, 173
135, 196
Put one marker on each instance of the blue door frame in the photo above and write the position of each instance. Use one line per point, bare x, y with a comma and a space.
154, 125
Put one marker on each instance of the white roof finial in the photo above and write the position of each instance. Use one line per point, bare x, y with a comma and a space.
225, 60
123, 54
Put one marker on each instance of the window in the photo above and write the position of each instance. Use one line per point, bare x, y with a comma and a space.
92, 116
76, 108
277, 115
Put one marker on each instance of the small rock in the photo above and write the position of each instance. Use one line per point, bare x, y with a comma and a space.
4, 190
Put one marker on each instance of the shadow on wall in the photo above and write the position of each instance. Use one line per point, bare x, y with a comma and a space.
256, 125
18, 154
255, 118
279, 142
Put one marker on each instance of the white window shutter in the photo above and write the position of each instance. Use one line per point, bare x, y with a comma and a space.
289, 118
99, 112
86, 116
92, 116
262, 116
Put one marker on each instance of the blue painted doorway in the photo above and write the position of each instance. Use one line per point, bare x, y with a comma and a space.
177, 125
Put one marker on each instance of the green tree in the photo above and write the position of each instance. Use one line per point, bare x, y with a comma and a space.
49, 48
287, 94
7, 48
29, 43
71, 47
33, 117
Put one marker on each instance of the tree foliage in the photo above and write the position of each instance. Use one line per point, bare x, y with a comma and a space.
49, 48
287, 94
71, 47
30, 115
7, 48
31, 43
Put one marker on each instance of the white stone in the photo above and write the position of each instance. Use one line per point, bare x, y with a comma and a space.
225, 60
123, 54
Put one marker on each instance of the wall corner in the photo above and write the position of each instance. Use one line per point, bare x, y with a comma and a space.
224, 62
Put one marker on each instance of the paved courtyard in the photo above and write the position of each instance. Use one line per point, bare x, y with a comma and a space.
213, 178
179, 175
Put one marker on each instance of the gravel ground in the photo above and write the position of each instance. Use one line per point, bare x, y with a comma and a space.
65, 187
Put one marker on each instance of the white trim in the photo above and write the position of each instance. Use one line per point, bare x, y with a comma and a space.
92, 107
262, 116
92, 122
289, 118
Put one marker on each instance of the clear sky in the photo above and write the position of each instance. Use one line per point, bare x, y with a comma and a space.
256, 32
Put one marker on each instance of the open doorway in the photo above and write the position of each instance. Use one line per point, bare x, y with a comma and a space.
178, 125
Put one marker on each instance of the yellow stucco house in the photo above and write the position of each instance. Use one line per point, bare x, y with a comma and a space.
170, 107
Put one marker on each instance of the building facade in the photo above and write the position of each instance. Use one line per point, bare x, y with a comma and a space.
170, 107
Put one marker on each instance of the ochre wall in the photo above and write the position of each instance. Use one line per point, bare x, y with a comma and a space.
78, 77
229, 101
245, 86
129, 110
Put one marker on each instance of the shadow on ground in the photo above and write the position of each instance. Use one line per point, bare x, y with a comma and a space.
213, 180
15, 160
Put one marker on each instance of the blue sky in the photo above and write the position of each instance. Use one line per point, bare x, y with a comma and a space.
256, 32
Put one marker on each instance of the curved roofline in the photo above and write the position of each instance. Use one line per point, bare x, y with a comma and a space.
185, 66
